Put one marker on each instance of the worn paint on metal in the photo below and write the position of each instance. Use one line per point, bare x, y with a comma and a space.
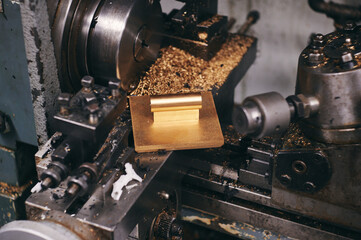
13, 192
12, 202
7, 210
8, 166
17, 166
5, 149
29, 77
238, 229
197, 218
15, 96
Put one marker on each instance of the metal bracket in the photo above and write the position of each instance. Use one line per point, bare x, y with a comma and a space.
303, 170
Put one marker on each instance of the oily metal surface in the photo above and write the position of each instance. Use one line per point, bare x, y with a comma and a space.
139, 204
254, 216
60, 34
149, 137
334, 79
77, 51
339, 201
339, 116
125, 40
106, 39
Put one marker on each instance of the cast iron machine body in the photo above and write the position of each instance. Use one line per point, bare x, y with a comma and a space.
325, 134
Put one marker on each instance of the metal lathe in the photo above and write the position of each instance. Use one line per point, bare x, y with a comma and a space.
118, 121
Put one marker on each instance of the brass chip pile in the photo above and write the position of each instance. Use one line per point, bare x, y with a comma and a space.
209, 22
294, 138
13, 191
177, 71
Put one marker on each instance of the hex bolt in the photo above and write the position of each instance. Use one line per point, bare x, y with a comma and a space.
348, 60
346, 57
305, 106
164, 195
90, 98
93, 113
88, 83
286, 179
348, 41
64, 103
115, 85
315, 57
318, 41
349, 26
309, 187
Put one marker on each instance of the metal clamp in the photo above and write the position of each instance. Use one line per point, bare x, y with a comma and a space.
306, 171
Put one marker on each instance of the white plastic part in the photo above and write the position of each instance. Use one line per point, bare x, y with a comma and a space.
37, 188
124, 180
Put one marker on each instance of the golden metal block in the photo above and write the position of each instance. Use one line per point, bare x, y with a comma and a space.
169, 117
175, 135
172, 108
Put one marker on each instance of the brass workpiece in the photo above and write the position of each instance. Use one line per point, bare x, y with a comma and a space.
175, 102
150, 137
178, 120
177, 71
175, 108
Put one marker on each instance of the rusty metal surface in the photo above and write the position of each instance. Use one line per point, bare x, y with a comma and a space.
12, 200
255, 216
118, 218
82, 230
17, 167
237, 229
7, 209
220, 192
339, 201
